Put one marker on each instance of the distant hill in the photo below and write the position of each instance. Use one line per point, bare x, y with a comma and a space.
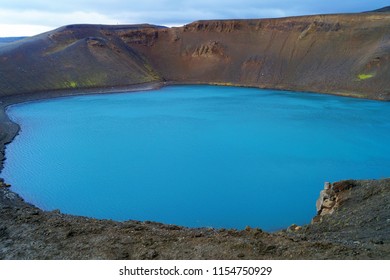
5, 40
381, 10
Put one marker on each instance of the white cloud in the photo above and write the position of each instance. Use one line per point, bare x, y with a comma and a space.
31, 22
36, 17
16, 30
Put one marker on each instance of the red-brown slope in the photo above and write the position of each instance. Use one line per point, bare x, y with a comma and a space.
341, 54
345, 54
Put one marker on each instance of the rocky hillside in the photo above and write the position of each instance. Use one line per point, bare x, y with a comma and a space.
340, 54
73, 57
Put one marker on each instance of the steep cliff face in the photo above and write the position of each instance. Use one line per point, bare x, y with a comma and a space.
341, 54
345, 54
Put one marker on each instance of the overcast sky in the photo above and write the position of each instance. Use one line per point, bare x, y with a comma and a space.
30, 17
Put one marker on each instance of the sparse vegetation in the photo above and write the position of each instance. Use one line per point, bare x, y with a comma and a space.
223, 84
71, 84
365, 76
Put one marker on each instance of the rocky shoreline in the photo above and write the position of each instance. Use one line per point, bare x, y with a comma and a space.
353, 222
359, 228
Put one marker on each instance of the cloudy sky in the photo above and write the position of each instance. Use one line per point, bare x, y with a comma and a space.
30, 17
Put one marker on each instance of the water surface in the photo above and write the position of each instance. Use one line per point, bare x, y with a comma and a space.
195, 155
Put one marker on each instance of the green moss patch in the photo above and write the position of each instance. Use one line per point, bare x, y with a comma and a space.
71, 84
365, 76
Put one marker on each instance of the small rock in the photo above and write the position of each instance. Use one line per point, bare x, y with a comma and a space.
343, 185
293, 228
326, 211
10, 196
270, 248
3, 184
150, 255
70, 234
139, 228
3, 231
241, 255
323, 195
378, 242
35, 212
198, 234
172, 227
328, 203
316, 219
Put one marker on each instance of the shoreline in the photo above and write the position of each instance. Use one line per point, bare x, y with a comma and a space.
317, 239
9, 130
349, 233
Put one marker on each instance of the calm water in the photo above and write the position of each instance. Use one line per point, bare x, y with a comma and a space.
195, 155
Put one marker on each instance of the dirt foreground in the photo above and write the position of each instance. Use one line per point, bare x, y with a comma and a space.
358, 228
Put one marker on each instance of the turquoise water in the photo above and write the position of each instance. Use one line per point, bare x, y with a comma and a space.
199, 156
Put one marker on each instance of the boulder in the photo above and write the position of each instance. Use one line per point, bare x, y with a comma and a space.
328, 203
324, 194
343, 185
